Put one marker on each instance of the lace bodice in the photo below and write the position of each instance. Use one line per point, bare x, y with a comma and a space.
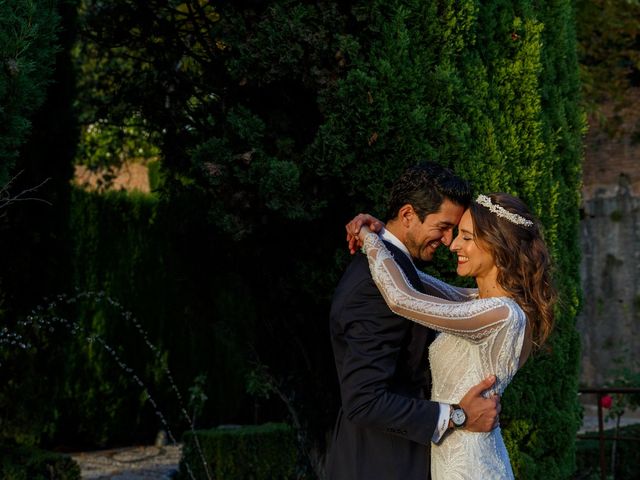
479, 337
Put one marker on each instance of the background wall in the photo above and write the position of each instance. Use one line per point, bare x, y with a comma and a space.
610, 237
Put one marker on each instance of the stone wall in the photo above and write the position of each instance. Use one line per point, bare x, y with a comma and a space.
610, 272
610, 236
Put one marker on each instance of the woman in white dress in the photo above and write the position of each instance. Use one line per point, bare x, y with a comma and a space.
500, 244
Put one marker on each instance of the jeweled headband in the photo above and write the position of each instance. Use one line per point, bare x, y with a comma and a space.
503, 212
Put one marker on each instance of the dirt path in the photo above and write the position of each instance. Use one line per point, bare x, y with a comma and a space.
133, 463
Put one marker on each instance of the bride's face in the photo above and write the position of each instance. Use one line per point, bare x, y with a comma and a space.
474, 260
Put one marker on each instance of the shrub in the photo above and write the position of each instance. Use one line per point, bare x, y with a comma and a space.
262, 452
27, 463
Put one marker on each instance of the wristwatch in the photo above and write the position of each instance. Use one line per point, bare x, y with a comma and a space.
457, 416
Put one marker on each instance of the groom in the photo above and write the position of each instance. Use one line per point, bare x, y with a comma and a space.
386, 423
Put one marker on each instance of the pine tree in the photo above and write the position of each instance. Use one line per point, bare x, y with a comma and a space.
27, 54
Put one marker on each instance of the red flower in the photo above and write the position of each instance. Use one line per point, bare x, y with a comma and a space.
606, 401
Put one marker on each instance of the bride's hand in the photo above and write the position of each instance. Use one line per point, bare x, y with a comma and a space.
353, 229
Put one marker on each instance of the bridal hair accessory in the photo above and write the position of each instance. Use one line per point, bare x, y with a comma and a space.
503, 212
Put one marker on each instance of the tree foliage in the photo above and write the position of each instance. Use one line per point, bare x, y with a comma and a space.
609, 49
34, 260
27, 53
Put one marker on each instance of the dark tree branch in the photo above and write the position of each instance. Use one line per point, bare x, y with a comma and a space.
7, 199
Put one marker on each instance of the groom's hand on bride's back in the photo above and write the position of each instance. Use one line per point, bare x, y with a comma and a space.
353, 228
482, 413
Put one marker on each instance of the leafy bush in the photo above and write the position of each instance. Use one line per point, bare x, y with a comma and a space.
27, 463
264, 452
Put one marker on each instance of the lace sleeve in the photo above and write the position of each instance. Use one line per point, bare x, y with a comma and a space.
474, 319
438, 288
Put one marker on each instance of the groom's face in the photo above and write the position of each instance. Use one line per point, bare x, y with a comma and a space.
423, 238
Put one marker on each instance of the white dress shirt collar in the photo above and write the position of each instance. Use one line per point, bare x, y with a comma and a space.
391, 238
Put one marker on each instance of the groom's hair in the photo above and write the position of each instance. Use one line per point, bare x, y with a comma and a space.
425, 187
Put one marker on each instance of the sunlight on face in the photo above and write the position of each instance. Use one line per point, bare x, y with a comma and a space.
474, 260
423, 238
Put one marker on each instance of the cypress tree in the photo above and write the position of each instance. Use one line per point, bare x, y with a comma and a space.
493, 91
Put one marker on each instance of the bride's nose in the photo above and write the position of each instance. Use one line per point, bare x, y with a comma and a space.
454, 245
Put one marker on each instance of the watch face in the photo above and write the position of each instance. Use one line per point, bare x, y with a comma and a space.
458, 417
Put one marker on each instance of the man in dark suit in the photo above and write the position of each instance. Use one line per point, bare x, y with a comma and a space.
386, 423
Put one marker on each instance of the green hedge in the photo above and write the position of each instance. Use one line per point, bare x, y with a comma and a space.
493, 91
627, 455
25, 463
186, 297
115, 250
262, 452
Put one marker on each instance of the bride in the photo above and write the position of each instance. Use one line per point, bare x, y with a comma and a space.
500, 244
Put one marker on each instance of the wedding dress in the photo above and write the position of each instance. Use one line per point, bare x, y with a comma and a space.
478, 338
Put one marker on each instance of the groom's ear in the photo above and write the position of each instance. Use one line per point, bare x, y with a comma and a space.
406, 214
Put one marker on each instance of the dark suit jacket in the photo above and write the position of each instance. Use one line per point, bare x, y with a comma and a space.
385, 424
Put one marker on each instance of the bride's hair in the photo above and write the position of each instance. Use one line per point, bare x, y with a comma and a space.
522, 259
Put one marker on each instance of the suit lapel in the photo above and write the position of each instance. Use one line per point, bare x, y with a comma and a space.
421, 336
406, 265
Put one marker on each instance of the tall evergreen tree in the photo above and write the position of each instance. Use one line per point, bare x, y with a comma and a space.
38, 140
493, 91
27, 53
